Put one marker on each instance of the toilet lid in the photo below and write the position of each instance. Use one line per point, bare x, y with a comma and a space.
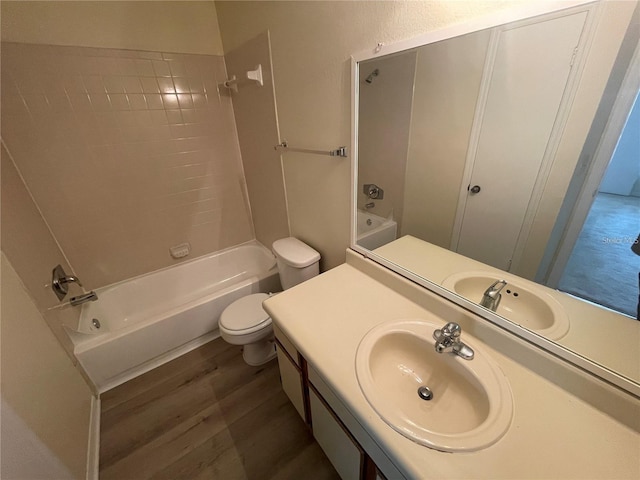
245, 313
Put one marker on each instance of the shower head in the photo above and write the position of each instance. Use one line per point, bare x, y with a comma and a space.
372, 75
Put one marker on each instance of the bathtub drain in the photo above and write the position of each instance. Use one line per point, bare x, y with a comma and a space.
95, 322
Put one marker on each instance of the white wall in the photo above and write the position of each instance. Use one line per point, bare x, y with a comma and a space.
623, 172
31, 248
577, 146
186, 27
448, 76
311, 46
46, 394
255, 116
23, 455
384, 120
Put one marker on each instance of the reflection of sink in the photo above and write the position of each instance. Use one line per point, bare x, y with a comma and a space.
471, 406
529, 306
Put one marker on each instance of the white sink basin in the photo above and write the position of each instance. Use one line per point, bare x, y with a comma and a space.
471, 406
523, 302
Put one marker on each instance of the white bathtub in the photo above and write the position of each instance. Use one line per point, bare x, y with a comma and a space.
375, 231
149, 320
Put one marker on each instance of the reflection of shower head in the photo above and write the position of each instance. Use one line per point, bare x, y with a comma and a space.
372, 75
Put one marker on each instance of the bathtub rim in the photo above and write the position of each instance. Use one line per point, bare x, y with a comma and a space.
180, 263
94, 340
83, 341
386, 223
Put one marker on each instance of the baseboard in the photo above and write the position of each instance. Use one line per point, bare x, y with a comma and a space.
93, 448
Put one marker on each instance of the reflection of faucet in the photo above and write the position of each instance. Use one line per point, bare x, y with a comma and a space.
448, 340
491, 298
369, 205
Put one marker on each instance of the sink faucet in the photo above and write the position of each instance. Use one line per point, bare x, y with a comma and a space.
448, 340
491, 298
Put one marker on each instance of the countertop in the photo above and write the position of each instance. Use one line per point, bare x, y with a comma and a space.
555, 433
589, 323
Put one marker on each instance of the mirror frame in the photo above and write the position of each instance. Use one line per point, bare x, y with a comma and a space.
485, 22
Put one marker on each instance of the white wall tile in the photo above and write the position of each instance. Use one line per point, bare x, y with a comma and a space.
120, 170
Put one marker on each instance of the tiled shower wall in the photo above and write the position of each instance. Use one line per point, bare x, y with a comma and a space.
126, 153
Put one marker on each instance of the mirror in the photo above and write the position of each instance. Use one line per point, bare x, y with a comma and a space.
482, 141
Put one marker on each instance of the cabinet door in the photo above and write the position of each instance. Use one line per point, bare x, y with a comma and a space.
291, 378
345, 455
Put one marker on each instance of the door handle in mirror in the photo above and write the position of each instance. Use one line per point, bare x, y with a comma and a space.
475, 189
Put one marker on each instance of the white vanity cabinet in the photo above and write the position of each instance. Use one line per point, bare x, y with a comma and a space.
291, 373
337, 443
353, 453
327, 318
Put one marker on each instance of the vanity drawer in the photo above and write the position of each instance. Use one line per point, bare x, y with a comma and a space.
341, 449
287, 345
291, 379
348, 446
384, 468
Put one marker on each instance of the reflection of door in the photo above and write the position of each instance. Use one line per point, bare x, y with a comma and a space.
526, 78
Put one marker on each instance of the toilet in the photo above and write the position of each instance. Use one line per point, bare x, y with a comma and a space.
246, 323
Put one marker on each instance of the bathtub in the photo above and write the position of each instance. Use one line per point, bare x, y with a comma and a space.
143, 322
375, 231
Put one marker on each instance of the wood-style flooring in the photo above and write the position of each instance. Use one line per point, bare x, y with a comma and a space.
207, 415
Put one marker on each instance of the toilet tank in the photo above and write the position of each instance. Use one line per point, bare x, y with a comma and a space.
297, 261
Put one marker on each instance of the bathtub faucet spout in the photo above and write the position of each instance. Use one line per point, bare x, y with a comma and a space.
87, 297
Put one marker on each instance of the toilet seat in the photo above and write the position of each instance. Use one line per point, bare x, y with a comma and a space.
245, 315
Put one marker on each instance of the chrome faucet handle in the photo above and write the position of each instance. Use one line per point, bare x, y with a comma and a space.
495, 287
452, 330
70, 279
448, 339
491, 298
60, 281
447, 334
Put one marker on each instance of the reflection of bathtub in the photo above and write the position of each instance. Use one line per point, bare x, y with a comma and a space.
375, 231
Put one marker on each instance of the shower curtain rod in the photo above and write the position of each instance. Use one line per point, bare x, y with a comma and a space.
338, 152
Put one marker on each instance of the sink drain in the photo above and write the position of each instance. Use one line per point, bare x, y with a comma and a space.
425, 393
96, 323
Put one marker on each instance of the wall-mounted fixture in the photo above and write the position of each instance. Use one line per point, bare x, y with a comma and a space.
251, 76
372, 75
373, 191
338, 152
60, 285
180, 251
87, 297
60, 281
